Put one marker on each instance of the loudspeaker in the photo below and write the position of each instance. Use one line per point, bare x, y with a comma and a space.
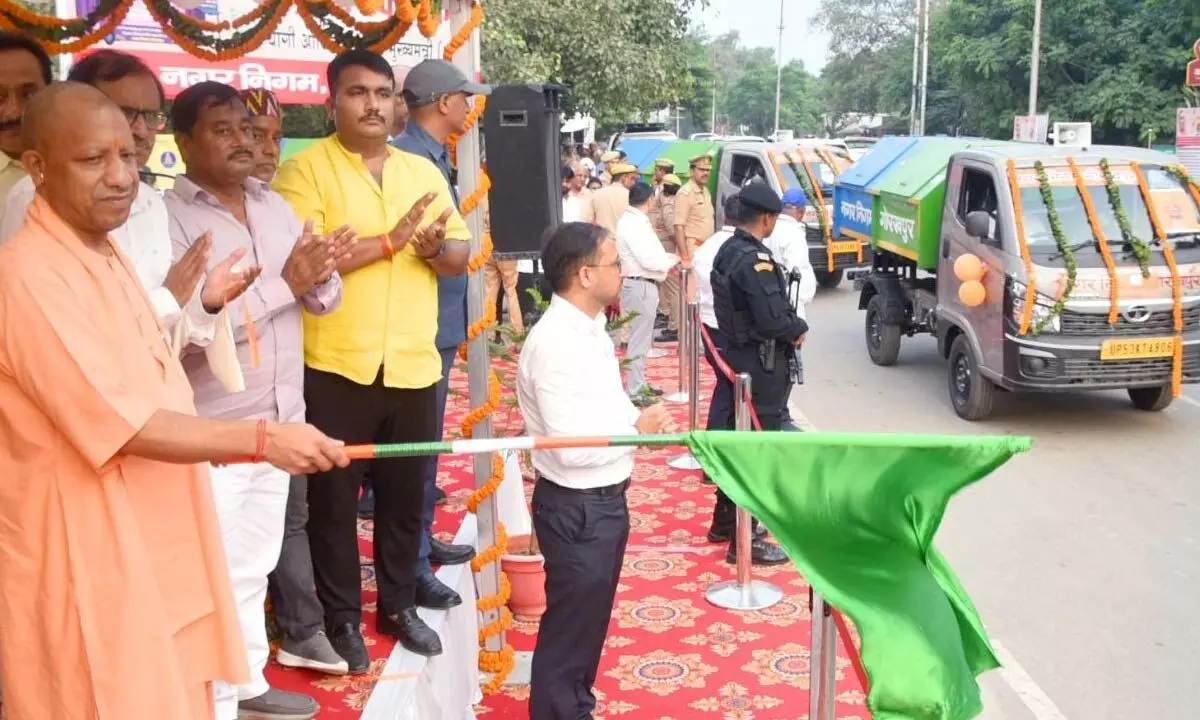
520, 131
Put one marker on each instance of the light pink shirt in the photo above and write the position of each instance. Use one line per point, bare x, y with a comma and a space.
275, 389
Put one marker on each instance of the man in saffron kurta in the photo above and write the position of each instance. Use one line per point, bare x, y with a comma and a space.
116, 596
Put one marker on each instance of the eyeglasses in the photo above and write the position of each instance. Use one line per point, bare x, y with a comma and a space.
614, 264
155, 119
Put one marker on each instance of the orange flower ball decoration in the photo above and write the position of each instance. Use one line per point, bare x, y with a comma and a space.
972, 293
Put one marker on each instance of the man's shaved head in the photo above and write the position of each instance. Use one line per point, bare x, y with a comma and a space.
80, 152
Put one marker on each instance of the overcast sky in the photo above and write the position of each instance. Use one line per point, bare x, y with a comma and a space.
757, 22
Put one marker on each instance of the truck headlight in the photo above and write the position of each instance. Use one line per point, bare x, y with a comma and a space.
1043, 308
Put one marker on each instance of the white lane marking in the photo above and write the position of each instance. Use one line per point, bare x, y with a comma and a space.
1023, 686
1028, 691
1190, 401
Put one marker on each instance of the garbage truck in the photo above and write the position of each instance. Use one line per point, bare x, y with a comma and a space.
1035, 268
812, 165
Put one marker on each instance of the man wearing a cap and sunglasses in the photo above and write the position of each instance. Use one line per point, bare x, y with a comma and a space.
437, 94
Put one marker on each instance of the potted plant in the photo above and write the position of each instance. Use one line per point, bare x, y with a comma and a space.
523, 563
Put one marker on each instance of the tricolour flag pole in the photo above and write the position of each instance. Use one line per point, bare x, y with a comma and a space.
490, 445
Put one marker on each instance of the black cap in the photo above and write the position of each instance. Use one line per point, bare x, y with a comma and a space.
761, 197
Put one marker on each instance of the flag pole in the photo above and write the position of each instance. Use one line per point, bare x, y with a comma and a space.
479, 446
822, 686
744, 593
686, 461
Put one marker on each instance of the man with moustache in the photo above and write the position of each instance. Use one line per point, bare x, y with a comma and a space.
144, 237
24, 69
372, 365
217, 197
116, 599
266, 122
437, 94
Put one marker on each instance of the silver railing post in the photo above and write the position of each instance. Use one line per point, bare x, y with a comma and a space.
822, 684
692, 354
744, 593
685, 339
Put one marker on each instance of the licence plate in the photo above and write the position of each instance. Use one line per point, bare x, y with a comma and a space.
1137, 349
844, 246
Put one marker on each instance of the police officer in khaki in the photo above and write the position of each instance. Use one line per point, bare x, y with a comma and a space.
663, 221
694, 214
610, 202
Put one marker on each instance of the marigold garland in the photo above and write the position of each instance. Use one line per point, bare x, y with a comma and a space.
1060, 239
1180, 173
1101, 240
1176, 284
1023, 243
501, 663
49, 30
187, 33
1139, 247
813, 191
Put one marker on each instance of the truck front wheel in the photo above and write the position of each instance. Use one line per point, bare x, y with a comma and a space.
883, 338
1151, 399
970, 392
829, 280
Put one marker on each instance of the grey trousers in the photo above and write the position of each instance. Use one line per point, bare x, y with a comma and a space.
293, 592
638, 296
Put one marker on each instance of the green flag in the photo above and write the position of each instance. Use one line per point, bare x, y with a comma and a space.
857, 514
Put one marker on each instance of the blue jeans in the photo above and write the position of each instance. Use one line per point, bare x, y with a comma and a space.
424, 569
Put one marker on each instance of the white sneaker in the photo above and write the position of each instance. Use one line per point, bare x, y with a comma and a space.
314, 653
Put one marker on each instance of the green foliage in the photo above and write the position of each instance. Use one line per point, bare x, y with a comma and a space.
745, 89
1115, 63
618, 58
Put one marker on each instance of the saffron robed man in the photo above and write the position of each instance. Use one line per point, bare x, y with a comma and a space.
372, 365
117, 595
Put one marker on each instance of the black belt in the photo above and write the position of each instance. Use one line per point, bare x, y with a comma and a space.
643, 279
606, 491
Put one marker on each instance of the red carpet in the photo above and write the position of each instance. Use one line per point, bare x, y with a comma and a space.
670, 655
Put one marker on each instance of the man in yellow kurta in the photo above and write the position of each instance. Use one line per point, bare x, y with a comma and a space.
116, 599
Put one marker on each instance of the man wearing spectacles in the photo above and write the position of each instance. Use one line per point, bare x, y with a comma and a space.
175, 290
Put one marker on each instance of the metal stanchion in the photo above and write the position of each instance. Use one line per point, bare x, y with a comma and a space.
822, 682
743, 593
685, 339
686, 461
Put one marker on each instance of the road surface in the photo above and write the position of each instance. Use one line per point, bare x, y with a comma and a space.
1082, 555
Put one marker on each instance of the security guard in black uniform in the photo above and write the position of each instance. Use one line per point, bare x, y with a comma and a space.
759, 327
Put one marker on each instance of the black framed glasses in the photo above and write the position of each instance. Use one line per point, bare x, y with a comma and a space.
155, 119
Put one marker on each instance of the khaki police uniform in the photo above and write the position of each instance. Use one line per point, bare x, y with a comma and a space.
609, 203
664, 226
694, 209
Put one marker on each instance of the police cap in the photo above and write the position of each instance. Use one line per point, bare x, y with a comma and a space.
701, 162
665, 163
761, 197
672, 179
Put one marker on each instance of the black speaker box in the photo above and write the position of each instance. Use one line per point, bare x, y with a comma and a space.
520, 131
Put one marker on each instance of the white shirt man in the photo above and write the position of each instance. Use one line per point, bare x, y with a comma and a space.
569, 384
702, 263
644, 264
146, 239
789, 245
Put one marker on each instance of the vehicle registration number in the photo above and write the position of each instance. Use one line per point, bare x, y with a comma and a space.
1137, 349
844, 246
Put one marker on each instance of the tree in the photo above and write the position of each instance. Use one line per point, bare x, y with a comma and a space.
619, 59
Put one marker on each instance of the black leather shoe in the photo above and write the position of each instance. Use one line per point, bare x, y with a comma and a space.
441, 553
366, 504
725, 534
411, 632
440, 494
435, 594
347, 641
761, 553
667, 336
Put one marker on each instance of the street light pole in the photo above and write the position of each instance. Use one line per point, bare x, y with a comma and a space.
779, 69
912, 110
924, 64
1035, 57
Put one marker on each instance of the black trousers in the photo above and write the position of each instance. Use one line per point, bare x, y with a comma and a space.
768, 391
582, 535
359, 414
297, 611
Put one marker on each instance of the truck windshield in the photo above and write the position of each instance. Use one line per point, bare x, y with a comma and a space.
1177, 212
825, 176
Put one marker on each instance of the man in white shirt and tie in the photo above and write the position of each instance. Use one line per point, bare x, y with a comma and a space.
644, 264
569, 383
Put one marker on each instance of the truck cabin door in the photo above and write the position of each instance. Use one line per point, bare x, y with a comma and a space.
972, 186
738, 170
